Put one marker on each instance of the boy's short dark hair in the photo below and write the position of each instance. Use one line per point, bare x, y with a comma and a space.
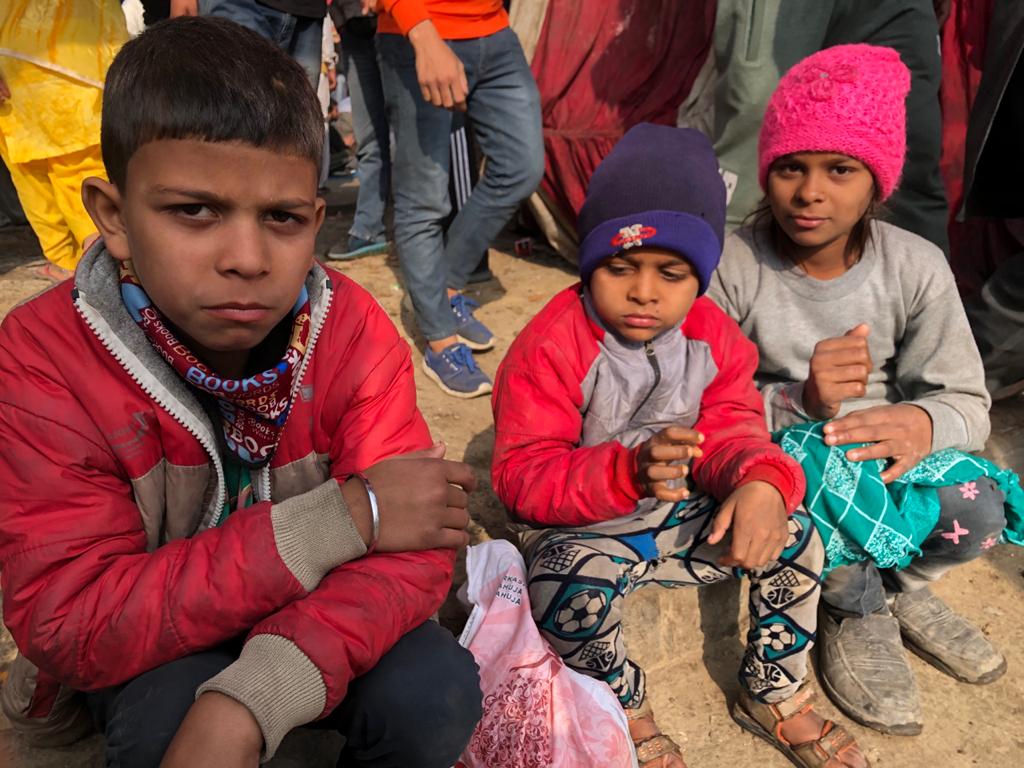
208, 79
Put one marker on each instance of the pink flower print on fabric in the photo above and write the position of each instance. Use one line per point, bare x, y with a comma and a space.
969, 490
956, 533
988, 543
822, 81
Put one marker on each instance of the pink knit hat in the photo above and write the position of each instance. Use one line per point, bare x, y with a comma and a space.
849, 99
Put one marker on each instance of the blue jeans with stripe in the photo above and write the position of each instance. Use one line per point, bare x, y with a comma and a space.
504, 107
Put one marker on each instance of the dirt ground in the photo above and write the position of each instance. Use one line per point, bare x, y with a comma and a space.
688, 640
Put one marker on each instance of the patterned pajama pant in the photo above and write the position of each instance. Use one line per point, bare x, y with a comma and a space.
578, 578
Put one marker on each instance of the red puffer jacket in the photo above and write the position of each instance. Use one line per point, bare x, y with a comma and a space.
573, 404
109, 478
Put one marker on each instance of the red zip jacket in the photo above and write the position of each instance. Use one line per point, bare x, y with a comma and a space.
110, 478
573, 404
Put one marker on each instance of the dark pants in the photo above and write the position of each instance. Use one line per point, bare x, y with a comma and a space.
417, 707
970, 522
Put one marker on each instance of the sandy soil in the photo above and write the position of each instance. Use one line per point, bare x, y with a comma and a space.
687, 639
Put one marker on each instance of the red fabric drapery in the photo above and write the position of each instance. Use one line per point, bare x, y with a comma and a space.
976, 245
603, 67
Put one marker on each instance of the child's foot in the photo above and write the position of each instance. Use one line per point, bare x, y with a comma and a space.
471, 331
357, 248
945, 639
455, 371
801, 734
865, 671
653, 748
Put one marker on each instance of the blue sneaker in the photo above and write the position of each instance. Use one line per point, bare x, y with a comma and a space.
356, 249
470, 331
456, 372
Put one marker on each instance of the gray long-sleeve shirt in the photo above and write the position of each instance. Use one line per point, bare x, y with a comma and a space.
921, 345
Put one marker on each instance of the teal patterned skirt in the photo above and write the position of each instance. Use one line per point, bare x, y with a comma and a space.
859, 517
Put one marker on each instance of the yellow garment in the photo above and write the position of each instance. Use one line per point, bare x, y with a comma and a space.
54, 55
50, 191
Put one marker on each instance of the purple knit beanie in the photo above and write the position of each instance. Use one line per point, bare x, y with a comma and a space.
850, 99
659, 186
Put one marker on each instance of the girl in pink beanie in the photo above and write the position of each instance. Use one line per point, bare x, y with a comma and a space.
872, 380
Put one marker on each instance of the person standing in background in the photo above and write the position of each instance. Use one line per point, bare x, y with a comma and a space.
437, 56
367, 236
54, 55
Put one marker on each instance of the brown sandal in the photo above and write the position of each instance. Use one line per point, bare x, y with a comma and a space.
657, 745
765, 720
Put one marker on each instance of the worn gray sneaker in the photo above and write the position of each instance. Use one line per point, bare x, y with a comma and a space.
945, 639
864, 670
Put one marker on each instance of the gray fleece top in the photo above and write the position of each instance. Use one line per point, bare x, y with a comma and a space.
921, 345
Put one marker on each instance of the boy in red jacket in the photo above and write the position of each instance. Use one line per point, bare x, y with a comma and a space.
630, 442
221, 515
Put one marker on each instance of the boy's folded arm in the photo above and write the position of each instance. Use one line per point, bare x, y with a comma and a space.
539, 470
87, 602
296, 665
737, 447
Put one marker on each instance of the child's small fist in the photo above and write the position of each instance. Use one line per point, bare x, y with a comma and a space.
664, 459
838, 371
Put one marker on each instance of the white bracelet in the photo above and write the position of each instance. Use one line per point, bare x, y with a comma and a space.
374, 512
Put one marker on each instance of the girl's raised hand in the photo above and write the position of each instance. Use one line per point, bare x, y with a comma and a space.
901, 432
839, 371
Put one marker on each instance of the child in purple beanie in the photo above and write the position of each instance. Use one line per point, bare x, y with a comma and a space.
869, 371
631, 447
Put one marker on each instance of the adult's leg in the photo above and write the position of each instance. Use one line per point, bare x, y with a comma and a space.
420, 188
370, 124
140, 718
296, 35
970, 522
67, 172
504, 106
302, 37
996, 315
416, 709
38, 200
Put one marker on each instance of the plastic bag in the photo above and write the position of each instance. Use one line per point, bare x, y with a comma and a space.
537, 711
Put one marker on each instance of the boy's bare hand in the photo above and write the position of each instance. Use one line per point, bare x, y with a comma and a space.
902, 432
440, 73
421, 499
839, 371
756, 512
654, 463
217, 732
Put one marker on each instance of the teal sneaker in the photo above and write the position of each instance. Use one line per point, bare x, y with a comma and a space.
357, 248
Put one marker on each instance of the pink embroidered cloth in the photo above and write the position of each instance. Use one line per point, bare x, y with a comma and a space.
537, 711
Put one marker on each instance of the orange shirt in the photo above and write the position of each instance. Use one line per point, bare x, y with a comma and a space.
454, 19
